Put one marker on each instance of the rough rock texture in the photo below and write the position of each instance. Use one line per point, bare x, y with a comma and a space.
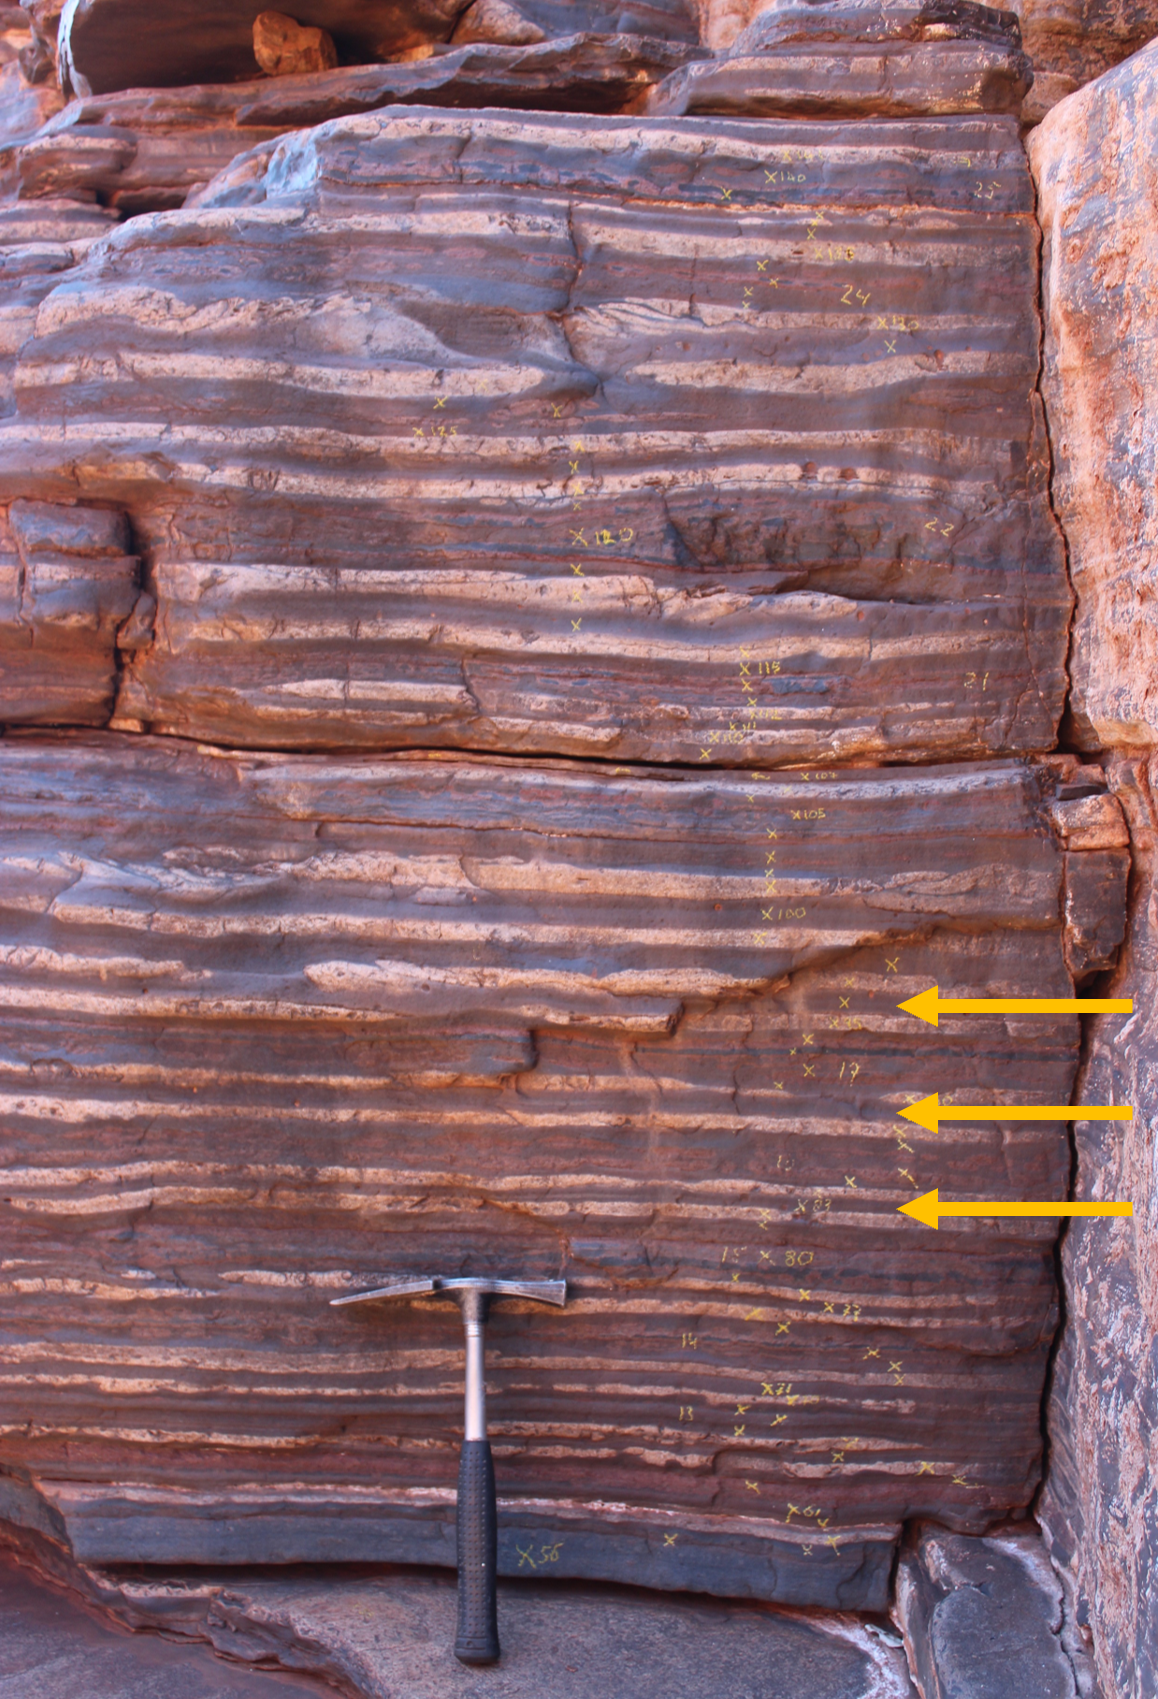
285, 48
1100, 1505
277, 1025
67, 588
1093, 158
851, 61
145, 151
899, 82
1068, 42
51, 1650
1093, 163
983, 1619
108, 45
1073, 41
711, 443
24, 106
641, 390
386, 1636
495, 20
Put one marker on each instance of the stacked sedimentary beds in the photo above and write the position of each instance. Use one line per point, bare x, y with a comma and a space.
571, 630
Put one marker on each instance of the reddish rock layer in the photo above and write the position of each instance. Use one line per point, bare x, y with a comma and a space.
276, 1026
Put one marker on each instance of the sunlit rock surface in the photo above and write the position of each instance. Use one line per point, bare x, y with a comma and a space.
1093, 158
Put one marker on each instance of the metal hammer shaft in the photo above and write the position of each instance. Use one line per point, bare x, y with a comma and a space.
475, 1413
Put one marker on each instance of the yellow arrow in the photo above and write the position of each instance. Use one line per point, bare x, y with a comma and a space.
928, 1209
926, 1005
928, 1113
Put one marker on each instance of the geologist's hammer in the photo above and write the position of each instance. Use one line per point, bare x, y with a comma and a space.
477, 1639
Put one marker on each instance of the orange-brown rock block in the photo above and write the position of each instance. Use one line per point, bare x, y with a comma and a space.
1073, 41
285, 48
275, 1026
1091, 159
1099, 1507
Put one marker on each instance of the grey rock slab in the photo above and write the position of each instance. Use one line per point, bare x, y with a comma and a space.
390, 1638
49, 1649
982, 1618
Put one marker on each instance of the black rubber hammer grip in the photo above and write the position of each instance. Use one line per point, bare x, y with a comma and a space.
477, 1640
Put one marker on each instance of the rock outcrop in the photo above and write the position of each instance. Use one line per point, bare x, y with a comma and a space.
639, 391
1100, 286
106, 45
293, 1022
285, 48
860, 61
523, 636
1093, 158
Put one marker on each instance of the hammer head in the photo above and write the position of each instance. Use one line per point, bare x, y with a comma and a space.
466, 1290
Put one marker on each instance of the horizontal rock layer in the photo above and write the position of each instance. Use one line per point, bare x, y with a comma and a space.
275, 1027
144, 151
648, 398
839, 80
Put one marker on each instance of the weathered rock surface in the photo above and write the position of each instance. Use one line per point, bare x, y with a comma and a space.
897, 82
277, 1025
106, 45
1092, 160
385, 1636
658, 439
39, 241
495, 20
146, 150
860, 61
24, 106
285, 48
67, 588
49, 1649
1073, 41
1068, 42
983, 1618
1100, 1505
637, 392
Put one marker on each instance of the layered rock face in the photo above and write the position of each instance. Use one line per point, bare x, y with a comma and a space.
311, 1021
1093, 159
526, 635
632, 396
